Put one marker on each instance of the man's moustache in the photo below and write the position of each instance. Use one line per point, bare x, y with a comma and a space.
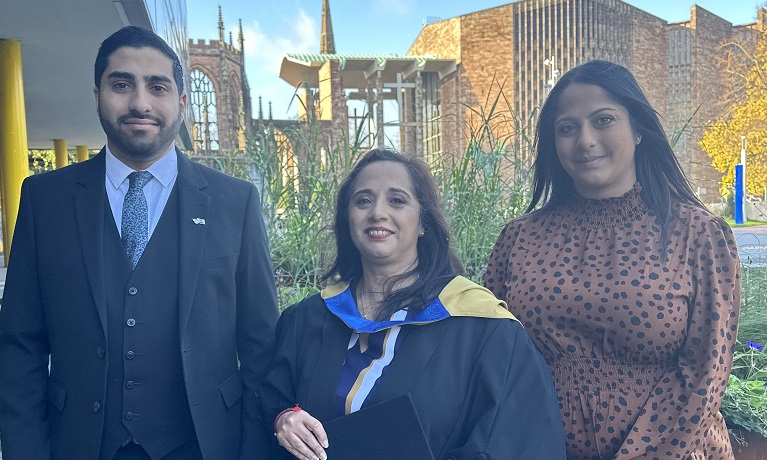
137, 116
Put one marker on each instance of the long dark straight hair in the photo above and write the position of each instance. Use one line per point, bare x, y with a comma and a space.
437, 262
657, 168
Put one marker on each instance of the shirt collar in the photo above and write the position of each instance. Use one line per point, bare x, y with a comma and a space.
164, 170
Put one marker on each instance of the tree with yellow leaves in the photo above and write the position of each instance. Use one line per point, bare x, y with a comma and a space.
746, 66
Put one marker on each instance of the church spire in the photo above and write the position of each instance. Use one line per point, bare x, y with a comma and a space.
220, 25
240, 38
327, 45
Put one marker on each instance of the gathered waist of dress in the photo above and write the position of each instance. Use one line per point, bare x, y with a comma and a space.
592, 375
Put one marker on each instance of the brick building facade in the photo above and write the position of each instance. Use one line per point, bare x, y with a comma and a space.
518, 50
219, 94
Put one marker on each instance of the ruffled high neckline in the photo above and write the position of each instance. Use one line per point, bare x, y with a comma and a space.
606, 212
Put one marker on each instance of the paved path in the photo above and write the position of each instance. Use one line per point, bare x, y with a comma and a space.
752, 244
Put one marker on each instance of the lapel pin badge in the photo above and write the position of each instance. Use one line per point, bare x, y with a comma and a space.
198, 221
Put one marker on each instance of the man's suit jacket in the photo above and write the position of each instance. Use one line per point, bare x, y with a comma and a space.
54, 305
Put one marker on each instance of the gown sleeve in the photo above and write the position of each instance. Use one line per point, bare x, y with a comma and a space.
278, 390
682, 411
513, 410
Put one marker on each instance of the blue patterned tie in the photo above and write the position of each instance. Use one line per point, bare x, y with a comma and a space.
135, 220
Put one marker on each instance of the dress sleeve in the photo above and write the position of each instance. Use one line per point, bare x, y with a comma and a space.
513, 409
682, 412
495, 277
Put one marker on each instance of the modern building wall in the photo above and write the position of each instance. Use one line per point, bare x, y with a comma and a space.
443, 41
707, 33
523, 47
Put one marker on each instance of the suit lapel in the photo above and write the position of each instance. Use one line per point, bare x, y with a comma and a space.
194, 206
90, 204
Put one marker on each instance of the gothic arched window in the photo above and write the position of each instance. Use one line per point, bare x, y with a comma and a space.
203, 100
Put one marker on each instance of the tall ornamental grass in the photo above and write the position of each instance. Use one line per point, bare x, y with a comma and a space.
298, 173
487, 186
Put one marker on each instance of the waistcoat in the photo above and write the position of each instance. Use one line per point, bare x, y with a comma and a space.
145, 398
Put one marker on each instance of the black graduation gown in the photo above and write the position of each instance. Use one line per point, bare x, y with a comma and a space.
480, 388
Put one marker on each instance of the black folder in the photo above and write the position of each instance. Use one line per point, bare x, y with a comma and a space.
385, 431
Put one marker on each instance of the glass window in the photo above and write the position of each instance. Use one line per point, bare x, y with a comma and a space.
203, 101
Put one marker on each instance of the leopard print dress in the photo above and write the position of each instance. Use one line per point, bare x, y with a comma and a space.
639, 347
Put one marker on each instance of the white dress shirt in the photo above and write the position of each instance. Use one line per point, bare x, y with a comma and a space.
156, 191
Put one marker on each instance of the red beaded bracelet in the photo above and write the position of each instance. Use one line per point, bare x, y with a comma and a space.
289, 409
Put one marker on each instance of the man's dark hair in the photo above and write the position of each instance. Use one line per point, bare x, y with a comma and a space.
136, 37
437, 262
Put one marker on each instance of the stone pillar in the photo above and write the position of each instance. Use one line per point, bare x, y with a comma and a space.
370, 99
62, 157
82, 153
379, 111
14, 159
340, 110
419, 150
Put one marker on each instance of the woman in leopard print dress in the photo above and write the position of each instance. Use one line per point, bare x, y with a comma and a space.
627, 285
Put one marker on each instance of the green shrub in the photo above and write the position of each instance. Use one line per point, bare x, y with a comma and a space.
745, 400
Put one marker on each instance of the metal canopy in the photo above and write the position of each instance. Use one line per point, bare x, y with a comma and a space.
300, 69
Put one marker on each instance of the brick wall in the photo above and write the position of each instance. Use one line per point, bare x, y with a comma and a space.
220, 61
708, 32
487, 57
441, 39
675, 64
649, 57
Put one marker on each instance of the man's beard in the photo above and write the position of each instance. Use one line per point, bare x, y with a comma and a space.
140, 146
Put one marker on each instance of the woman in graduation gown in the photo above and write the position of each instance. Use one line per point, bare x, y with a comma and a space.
399, 319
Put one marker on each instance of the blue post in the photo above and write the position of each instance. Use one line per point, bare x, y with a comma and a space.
739, 194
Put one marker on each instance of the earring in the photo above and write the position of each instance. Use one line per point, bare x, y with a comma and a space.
639, 139
421, 234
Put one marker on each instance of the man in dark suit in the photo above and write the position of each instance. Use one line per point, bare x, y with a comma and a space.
140, 302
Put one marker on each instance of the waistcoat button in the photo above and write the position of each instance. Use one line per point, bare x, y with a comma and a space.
128, 415
132, 290
96, 406
131, 322
100, 352
129, 384
130, 355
